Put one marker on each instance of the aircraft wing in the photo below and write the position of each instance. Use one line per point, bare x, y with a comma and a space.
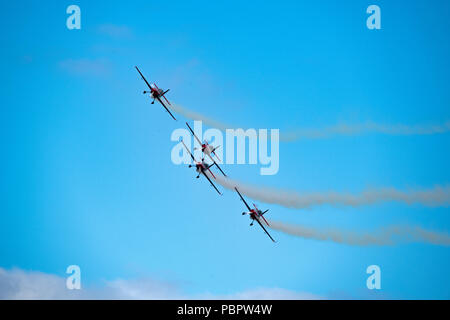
196, 138
246, 204
257, 219
214, 162
261, 215
212, 184
165, 97
208, 168
167, 109
148, 84
192, 156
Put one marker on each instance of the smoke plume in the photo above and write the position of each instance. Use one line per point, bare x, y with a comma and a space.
331, 131
435, 197
365, 128
198, 116
388, 236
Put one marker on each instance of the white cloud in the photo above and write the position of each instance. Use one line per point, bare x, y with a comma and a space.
146, 289
20, 284
115, 31
91, 67
266, 294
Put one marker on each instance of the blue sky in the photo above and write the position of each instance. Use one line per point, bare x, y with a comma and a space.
86, 172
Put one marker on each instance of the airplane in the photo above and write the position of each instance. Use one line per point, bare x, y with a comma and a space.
156, 93
255, 214
207, 149
201, 168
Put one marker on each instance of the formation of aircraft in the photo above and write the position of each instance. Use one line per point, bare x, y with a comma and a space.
207, 149
202, 167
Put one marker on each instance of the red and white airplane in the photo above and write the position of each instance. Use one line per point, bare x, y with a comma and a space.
207, 149
255, 214
156, 93
202, 167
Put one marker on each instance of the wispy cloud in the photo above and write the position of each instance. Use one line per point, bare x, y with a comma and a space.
90, 67
115, 31
265, 294
20, 284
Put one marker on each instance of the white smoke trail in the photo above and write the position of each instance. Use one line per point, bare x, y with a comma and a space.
327, 132
365, 128
388, 236
198, 116
437, 196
